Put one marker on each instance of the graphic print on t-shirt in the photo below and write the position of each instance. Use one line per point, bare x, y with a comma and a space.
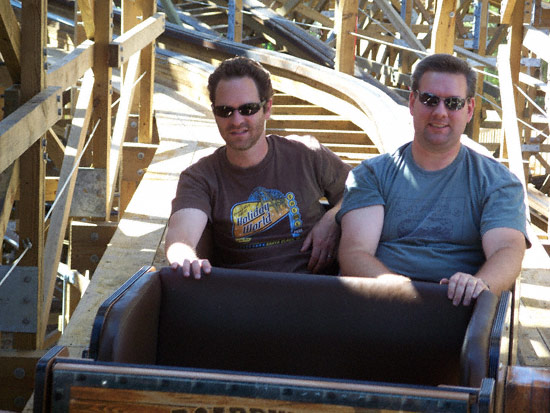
262, 210
437, 219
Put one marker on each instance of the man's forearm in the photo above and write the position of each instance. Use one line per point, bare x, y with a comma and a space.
361, 264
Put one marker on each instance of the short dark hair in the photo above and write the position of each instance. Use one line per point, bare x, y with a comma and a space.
241, 67
445, 63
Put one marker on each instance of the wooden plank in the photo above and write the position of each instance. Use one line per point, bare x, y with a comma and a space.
67, 70
31, 203
9, 185
67, 179
509, 116
538, 42
443, 33
27, 124
146, 86
10, 41
87, 15
288, 7
346, 23
55, 148
121, 123
136, 158
527, 389
135, 39
235, 20
103, 18
17, 371
482, 43
506, 10
400, 25
88, 241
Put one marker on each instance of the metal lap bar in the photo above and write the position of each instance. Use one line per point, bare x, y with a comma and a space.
77, 385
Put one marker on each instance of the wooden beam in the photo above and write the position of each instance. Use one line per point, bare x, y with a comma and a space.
10, 41
67, 179
146, 86
346, 23
443, 33
406, 32
103, 18
67, 70
482, 44
235, 20
509, 115
538, 42
527, 389
55, 148
135, 39
287, 7
87, 15
9, 185
27, 124
32, 175
506, 11
121, 123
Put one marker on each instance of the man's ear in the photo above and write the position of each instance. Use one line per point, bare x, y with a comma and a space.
267, 108
412, 99
471, 103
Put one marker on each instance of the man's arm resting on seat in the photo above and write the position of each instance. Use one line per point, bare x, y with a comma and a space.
185, 229
323, 240
504, 249
361, 229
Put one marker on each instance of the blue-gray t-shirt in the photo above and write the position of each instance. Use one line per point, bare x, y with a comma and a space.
434, 220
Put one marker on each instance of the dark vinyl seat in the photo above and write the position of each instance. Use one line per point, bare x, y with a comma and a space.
300, 325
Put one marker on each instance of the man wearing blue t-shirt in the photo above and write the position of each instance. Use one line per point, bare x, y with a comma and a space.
436, 210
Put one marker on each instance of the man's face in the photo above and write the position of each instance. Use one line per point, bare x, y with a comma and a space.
437, 128
240, 132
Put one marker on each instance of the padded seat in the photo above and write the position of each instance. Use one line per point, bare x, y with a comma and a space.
296, 324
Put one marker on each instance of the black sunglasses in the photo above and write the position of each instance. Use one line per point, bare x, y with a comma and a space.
431, 100
248, 109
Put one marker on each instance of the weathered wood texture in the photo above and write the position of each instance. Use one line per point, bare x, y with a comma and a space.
187, 132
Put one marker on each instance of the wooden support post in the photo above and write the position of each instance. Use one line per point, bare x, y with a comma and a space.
509, 116
88, 242
146, 85
67, 179
9, 178
121, 123
32, 175
405, 57
84, 18
102, 95
17, 372
235, 21
482, 43
10, 41
443, 33
137, 157
346, 23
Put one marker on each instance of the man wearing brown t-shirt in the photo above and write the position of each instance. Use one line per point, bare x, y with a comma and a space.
259, 193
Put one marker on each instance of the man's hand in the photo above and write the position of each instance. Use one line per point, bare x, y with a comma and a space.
193, 267
464, 287
323, 241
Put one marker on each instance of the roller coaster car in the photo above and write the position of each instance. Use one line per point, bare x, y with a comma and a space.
265, 342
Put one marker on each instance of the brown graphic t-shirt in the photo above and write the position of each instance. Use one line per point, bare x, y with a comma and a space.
261, 215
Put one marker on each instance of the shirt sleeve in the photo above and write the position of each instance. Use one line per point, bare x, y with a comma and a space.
504, 206
193, 191
362, 189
